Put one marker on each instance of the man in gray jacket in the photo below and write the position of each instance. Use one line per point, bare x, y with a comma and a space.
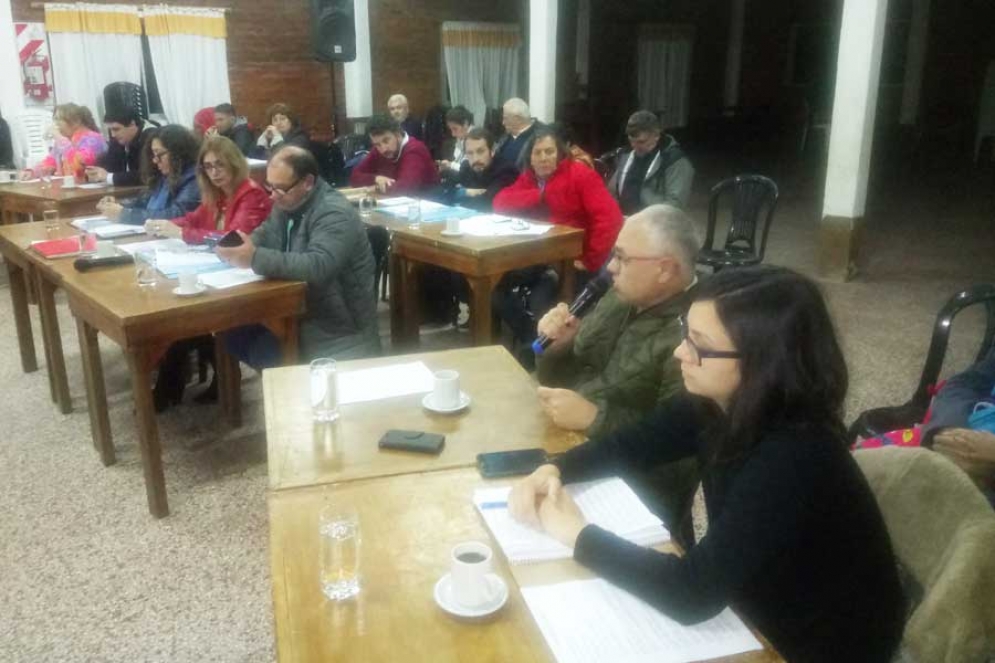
313, 234
655, 172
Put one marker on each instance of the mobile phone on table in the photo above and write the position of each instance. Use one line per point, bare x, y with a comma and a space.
510, 463
231, 239
413, 440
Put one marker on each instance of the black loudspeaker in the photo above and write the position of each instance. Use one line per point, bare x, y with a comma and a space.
333, 30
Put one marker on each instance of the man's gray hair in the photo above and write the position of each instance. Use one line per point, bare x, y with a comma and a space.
397, 97
672, 232
518, 108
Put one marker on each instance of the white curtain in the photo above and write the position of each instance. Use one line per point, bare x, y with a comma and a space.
481, 64
190, 59
92, 46
665, 72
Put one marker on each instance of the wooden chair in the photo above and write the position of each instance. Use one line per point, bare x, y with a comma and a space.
754, 200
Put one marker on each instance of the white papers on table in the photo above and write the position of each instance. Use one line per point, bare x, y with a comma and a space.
397, 200
154, 245
493, 225
607, 503
171, 263
112, 230
89, 223
229, 278
591, 621
93, 185
373, 384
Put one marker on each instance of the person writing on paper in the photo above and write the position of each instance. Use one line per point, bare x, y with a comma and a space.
314, 235
169, 170
121, 165
230, 199
398, 163
77, 145
795, 539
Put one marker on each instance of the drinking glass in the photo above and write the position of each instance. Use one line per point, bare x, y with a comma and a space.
145, 269
324, 390
338, 528
366, 205
414, 215
51, 217
87, 243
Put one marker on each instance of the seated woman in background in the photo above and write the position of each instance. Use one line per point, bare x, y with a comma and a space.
284, 129
795, 541
78, 145
169, 171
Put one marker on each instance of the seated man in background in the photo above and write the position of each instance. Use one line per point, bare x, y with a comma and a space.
615, 366
654, 172
121, 164
398, 164
480, 177
313, 234
234, 127
397, 106
520, 126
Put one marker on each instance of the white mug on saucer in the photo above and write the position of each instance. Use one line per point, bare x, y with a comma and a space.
188, 282
445, 395
68, 182
105, 248
471, 564
452, 225
7, 176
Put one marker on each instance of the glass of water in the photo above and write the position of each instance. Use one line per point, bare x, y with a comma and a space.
145, 269
87, 243
338, 528
414, 215
51, 217
366, 205
324, 390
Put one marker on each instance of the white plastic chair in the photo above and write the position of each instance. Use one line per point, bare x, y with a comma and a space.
29, 131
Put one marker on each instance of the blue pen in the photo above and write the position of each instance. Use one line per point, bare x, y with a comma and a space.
493, 505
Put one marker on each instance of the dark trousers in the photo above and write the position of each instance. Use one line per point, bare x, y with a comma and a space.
255, 345
522, 297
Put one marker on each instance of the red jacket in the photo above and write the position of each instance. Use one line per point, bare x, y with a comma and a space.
248, 208
574, 196
413, 172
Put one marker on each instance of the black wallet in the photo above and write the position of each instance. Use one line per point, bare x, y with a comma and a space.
413, 440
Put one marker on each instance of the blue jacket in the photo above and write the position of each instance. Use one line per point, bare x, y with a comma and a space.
161, 202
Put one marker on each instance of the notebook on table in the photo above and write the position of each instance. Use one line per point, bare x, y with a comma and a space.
62, 248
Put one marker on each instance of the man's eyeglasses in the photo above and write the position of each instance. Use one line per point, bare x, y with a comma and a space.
159, 156
624, 260
280, 192
698, 353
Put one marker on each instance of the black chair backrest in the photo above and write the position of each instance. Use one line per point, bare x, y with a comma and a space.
436, 131
752, 195
978, 294
349, 144
125, 95
607, 163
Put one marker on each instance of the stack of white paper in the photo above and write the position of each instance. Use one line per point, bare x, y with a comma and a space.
493, 225
592, 621
172, 263
229, 278
153, 245
372, 384
397, 200
89, 223
111, 230
607, 503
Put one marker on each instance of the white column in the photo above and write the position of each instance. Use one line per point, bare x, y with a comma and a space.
11, 92
582, 57
542, 59
858, 71
734, 53
358, 73
915, 61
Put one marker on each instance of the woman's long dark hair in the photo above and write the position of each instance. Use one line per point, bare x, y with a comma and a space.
182, 146
792, 369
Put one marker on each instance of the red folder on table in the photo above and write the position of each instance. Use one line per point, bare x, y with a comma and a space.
60, 248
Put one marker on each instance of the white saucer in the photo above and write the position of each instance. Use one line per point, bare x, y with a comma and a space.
444, 597
452, 233
201, 289
428, 404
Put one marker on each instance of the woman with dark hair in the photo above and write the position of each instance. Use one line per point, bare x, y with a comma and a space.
78, 144
169, 171
795, 541
284, 129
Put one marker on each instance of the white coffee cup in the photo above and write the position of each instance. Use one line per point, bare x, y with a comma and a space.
105, 248
68, 182
188, 282
8, 176
452, 225
445, 394
471, 564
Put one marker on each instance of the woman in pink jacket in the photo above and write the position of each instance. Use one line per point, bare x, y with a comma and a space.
78, 145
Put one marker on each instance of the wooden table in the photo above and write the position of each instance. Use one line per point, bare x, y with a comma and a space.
504, 415
482, 260
408, 526
18, 201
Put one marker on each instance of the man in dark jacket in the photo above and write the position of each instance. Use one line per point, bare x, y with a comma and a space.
655, 172
313, 234
480, 177
234, 127
120, 164
398, 108
520, 126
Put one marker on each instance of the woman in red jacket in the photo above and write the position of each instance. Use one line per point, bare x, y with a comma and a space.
557, 189
229, 199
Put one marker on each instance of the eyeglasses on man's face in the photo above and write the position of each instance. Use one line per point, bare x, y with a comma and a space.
280, 192
625, 259
696, 351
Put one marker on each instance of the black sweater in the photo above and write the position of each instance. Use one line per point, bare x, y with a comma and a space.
124, 161
795, 542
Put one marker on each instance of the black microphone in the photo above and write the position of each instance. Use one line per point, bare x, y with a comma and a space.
585, 301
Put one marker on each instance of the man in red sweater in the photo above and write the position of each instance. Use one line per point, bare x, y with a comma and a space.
398, 164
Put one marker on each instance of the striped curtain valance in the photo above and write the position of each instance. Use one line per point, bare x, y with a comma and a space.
92, 18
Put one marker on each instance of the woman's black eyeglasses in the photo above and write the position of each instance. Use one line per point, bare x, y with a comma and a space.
698, 353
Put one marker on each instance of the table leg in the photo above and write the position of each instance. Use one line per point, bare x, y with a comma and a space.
140, 364
53, 341
96, 396
229, 383
568, 279
22, 317
404, 315
481, 326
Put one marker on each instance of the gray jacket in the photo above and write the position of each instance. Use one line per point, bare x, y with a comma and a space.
327, 247
668, 179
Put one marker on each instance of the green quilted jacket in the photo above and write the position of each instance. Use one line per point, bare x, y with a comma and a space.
621, 361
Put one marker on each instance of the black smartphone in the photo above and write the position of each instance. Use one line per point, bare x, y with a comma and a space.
510, 463
231, 239
413, 440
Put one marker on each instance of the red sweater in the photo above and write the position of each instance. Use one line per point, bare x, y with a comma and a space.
248, 208
413, 172
574, 196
